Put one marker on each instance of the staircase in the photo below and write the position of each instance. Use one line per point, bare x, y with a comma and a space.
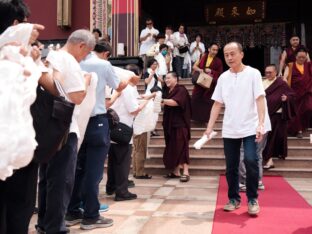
210, 159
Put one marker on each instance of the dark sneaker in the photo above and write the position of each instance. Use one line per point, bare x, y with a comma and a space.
73, 219
100, 222
125, 197
232, 205
253, 207
110, 193
131, 184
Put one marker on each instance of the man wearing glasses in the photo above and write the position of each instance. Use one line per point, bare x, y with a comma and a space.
147, 39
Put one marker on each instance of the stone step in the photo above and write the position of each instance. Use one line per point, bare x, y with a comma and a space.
218, 160
195, 124
292, 141
212, 149
218, 124
217, 170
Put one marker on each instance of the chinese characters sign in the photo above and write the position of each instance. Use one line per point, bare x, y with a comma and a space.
235, 12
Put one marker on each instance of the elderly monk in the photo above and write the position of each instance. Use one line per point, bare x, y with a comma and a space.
280, 100
176, 124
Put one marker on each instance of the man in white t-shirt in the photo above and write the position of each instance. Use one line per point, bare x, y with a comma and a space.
241, 91
147, 39
58, 175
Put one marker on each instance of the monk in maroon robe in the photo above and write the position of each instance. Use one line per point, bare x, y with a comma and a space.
201, 97
289, 54
299, 77
280, 102
176, 124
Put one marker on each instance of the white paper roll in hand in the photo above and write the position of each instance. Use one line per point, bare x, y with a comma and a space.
203, 140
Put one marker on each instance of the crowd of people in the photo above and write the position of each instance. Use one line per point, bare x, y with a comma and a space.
101, 112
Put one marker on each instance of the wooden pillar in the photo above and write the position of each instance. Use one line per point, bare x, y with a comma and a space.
125, 25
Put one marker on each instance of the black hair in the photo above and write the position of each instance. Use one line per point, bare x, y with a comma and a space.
301, 49
198, 35
212, 44
174, 74
161, 36
11, 10
163, 46
150, 62
103, 46
98, 31
134, 68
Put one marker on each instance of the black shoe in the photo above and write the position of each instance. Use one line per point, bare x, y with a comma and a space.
73, 219
146, 176
131, 184
126, 197
100, 222
110, 193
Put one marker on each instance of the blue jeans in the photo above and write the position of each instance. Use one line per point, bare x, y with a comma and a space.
232, 158
90, 168
242, 168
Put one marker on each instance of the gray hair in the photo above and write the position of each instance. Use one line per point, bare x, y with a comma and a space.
84, 36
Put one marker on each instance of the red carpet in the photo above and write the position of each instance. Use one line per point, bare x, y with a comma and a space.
283, 211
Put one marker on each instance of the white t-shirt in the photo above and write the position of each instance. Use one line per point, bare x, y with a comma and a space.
196, 55
126, 103
149, 42
179, 40
238, 92
72, 79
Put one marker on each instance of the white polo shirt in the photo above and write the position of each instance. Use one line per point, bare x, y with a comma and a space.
238, 92
148, 42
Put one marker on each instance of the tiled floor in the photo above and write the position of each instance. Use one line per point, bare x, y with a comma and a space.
169, 206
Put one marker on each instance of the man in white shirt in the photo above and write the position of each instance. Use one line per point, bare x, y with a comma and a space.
95, 145
241, 91
57, 176
147, 39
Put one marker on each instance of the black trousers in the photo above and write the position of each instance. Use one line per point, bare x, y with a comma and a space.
18, 199
118, 168
55, 187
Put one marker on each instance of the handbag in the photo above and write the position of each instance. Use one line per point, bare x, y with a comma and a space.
204, 80
51, 119
183, 49
121, 134
113, 118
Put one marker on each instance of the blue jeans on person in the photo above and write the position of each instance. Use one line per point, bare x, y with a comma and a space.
232, 158
242, 168
90, 168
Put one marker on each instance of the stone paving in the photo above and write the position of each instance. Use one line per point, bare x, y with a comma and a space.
169, 206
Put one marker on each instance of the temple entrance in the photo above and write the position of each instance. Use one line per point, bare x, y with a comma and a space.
263, 39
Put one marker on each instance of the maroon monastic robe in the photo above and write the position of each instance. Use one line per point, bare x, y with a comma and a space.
176, 124
201, 97
302, 85
276, 145
291, 54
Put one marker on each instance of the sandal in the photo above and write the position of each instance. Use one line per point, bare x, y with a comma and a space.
171, 175
146, 176
184, 178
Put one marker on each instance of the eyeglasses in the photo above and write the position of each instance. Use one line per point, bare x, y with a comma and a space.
149, 23
268, 72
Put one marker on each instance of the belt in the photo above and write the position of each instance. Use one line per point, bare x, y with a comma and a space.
100, 116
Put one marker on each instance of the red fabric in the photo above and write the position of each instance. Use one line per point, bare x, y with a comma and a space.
282, 210
302, 85
176, 124
201, 97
